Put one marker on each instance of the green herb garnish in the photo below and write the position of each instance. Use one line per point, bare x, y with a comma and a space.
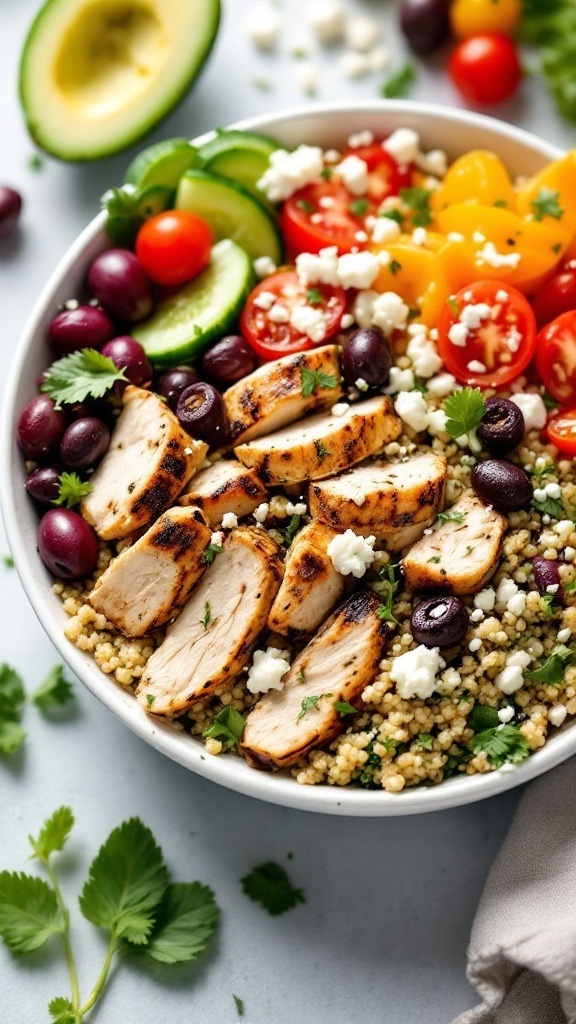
551, 671
425, 739
54, 691
81, 375
344, 708
553, 507
314, 297
207, 615
269, 885
418, 202
359, 207
303, 204
393, 214
394, 267
72, 490
546, 204
464, 410
292, 528
12, 699
312, 379
386, 587
400, 83
502, 745
310, 703
452, 517
321, 450
8, 561
227, 726
210, 553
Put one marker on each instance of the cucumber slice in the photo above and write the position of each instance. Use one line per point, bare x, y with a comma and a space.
152, 200
184, 323
242, 156
232, 212
163, 163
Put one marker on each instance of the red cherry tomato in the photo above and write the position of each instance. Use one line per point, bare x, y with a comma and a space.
561, 430
173, 247
271, 339
322, 214
386, 177
485, 69
557, 295
556, 357
500, 347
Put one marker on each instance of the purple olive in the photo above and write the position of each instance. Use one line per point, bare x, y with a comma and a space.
546, 574
43, 484
84, 327
501, 484
229, 359
200, 412
10, 207
40, 428
67, 545
367, 356
174, 382
502, 426
127, 354
84, 443
425, 23
118, 281
439, 622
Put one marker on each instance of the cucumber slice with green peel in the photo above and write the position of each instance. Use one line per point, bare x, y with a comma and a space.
152, 200
128, 208
242, 156
163, 163
232, 212
186, 322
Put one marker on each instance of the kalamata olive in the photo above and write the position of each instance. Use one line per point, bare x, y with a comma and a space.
367, 357
43, 484
501, 484
200, 411
439, 622
425, 23
84, 443
229, 359
501, 427
40, 428
83, 327
66, 543
174, 382
127, 354
546, 574
10, 207
118, 281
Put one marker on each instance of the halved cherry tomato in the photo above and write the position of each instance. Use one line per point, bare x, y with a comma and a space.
486, 68
557, 295
386, 177
501, 346
265, 322
173, 247
561, 430
556, 357
323, 214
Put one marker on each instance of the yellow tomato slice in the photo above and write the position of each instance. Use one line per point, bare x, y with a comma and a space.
417, 275
480, 177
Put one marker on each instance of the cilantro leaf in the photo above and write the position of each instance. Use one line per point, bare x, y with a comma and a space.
452, 517
553, 507
483, 717
394, 267
12, 692
8, 561
418, 202
502, 745
210, 553
269, 885
239, 1004
551, 671
310, 703
314, 297
546, 204
29, 912
12, 735
12, 698
79, 376
321, 449
540, 472
311, 379
207, 615
344, 708
62, 1010
54, 691
464, 410
72, 489
400, 83
228, 727
53, 834
127, 881
425, 739
359, 207
393, 214
185, 920
292, 528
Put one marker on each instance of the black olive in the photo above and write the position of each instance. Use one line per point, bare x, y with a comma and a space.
425, 23
546, 575
200, 412
367, 356
501, 484
439, 622
502, 426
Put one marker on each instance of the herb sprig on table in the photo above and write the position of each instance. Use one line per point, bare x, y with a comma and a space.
54, 691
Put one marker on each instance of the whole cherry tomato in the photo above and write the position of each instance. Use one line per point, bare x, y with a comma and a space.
557, 295
486, 68
173, 247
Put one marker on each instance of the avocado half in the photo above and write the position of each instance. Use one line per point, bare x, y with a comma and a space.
96, 75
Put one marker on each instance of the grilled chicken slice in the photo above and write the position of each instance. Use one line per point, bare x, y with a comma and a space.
272, 397
338, 663
397, 540
458, 557
311, 586
211, 640
226, 487
149, 461
145, 585
382, 497
323, 444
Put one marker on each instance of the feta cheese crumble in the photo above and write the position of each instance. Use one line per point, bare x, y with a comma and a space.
385, 230
229, 520
267, 670
340, 409
557, 714
264, 266
326, 19
217, 538
424, 356
354, 174
386, 311
362, 34
357, 269
485, 600
506, 715
399, 380
415, 672
412, 409
442, 385
287, 172
532, 408
261, 512
309, 321
490, 255
351, 554
263, 26
403, 145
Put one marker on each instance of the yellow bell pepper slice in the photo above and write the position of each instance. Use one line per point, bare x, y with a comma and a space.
480, 177
417, 275
552, 189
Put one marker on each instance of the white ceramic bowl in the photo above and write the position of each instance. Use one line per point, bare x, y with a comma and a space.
328, 125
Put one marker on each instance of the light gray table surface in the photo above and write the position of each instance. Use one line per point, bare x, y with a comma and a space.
383, 934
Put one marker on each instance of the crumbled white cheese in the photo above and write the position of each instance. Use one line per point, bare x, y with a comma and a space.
354, 65
362, 34
357, 269
513, 339
478, 237
553, 491
289, 171
217, 538
424, 356
351, 554
517, 604
485, 600
403, 145
552, 588
506, 714
389, 312
229, 520
442, 385
458, 335
569, 553
340, 409
378, 58
502, 295
412, 409
267, 669
473, 314
509, 679
490, 255
354, 174
434, 162
557, 714
346, 321
506, 589
532, 408
318, 269
519, 659
455, 236
264, 266
477, 615
563, 528
326, 19
265, 300
475, 366
363, 138
564, 635
309, 321
361, 384
299, 509
399, 380
420, 236
385, 230
475, 645
539, 494
278, 314
306, 76
436, 422
263, 24
261, 512
415, 672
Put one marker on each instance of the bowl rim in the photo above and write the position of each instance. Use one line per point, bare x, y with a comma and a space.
233, 772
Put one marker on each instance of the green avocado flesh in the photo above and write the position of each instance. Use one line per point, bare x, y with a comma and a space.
96, 75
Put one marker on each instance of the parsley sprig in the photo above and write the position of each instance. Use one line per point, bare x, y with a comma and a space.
501, 744
12, 700
312, 379
311, 703
209, 554
400, 83
464, 410
72, 490
452, 517
55, 691
546, 204
270, 885
551, 671
227, 726
386, 586
81, 375
291, 530
418, 202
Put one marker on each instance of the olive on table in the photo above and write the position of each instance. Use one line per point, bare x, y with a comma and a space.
502, 426
546, 574
43, 484
439, 622
84, 443
118, 281
83, 327
40, 428
10, 207
425, 24
127, 354
173, 382
67, 545
501, 484
229, 359
367, 357
200, 412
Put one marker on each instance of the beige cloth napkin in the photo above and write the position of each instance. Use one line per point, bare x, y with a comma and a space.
522, 955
